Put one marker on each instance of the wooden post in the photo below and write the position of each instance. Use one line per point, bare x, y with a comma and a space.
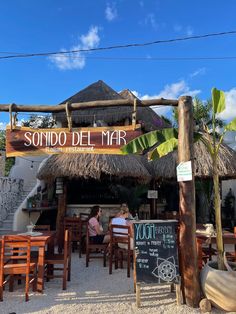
138, 297
134, 268
68, 116
10, 113
134, 114
153, 206
61, 210
178, 294
189, 264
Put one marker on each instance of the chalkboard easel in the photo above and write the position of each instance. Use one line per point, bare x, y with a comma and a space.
156, 255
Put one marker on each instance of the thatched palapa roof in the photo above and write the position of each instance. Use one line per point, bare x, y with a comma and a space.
110, 115
94, 166
165, 167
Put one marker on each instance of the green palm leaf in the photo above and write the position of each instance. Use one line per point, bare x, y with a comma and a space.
218, 100
148, 140
231, 126
164, 148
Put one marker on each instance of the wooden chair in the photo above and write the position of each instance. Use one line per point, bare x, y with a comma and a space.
15, 262
120, 235
84, 216
34, 254
201, 258
60, 259
231, 256
41, 228
94, 250
206, 247
75, 225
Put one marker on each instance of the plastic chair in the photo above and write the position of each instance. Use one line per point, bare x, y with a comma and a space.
15, 262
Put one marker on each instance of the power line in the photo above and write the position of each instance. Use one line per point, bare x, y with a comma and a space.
157, 58
27, 55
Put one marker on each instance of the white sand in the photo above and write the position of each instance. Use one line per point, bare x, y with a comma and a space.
93, 290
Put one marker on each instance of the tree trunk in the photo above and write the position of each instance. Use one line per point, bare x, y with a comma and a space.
188, 248
217, 206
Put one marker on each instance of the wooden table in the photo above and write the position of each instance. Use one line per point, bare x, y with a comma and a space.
228, 238
43, 242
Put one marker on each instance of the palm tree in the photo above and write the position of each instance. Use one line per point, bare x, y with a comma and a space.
202, 115
162, 142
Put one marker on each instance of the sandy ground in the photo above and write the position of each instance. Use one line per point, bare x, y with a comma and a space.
93, 290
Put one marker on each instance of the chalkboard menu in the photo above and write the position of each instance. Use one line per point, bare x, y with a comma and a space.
155, 243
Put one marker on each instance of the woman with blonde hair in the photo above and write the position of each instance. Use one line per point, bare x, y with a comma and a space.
121, 219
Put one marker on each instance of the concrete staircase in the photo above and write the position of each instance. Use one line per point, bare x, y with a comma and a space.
7, 225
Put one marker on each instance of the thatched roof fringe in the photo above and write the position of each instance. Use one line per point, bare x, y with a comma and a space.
93, 166
165, 167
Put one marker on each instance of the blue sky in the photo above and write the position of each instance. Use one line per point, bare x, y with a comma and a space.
44, 26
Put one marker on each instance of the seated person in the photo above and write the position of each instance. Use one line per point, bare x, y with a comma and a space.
121, 219
96, 234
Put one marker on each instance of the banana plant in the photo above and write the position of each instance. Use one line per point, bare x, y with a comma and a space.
160, 142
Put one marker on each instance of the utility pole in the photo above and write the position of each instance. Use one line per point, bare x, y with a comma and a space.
187, 236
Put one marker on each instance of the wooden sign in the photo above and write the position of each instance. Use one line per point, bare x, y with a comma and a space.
156, 253
23, 141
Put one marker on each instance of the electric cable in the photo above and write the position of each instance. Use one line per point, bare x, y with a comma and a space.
27, 55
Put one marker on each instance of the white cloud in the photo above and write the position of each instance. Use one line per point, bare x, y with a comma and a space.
189, 31
69, 61
3, 125
77, 60
91, 39
170, 91
230, 100
150, 19
174, 90
182, 29
200, 71
178, 28
110, 12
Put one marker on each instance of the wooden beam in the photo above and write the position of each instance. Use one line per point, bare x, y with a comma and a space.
189, 265
134, 114
89, 104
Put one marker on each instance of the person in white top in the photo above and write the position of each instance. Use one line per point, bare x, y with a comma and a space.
121, 219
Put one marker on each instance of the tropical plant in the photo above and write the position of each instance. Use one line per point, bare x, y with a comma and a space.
39, 122
9, 161
161, 142
202, 115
